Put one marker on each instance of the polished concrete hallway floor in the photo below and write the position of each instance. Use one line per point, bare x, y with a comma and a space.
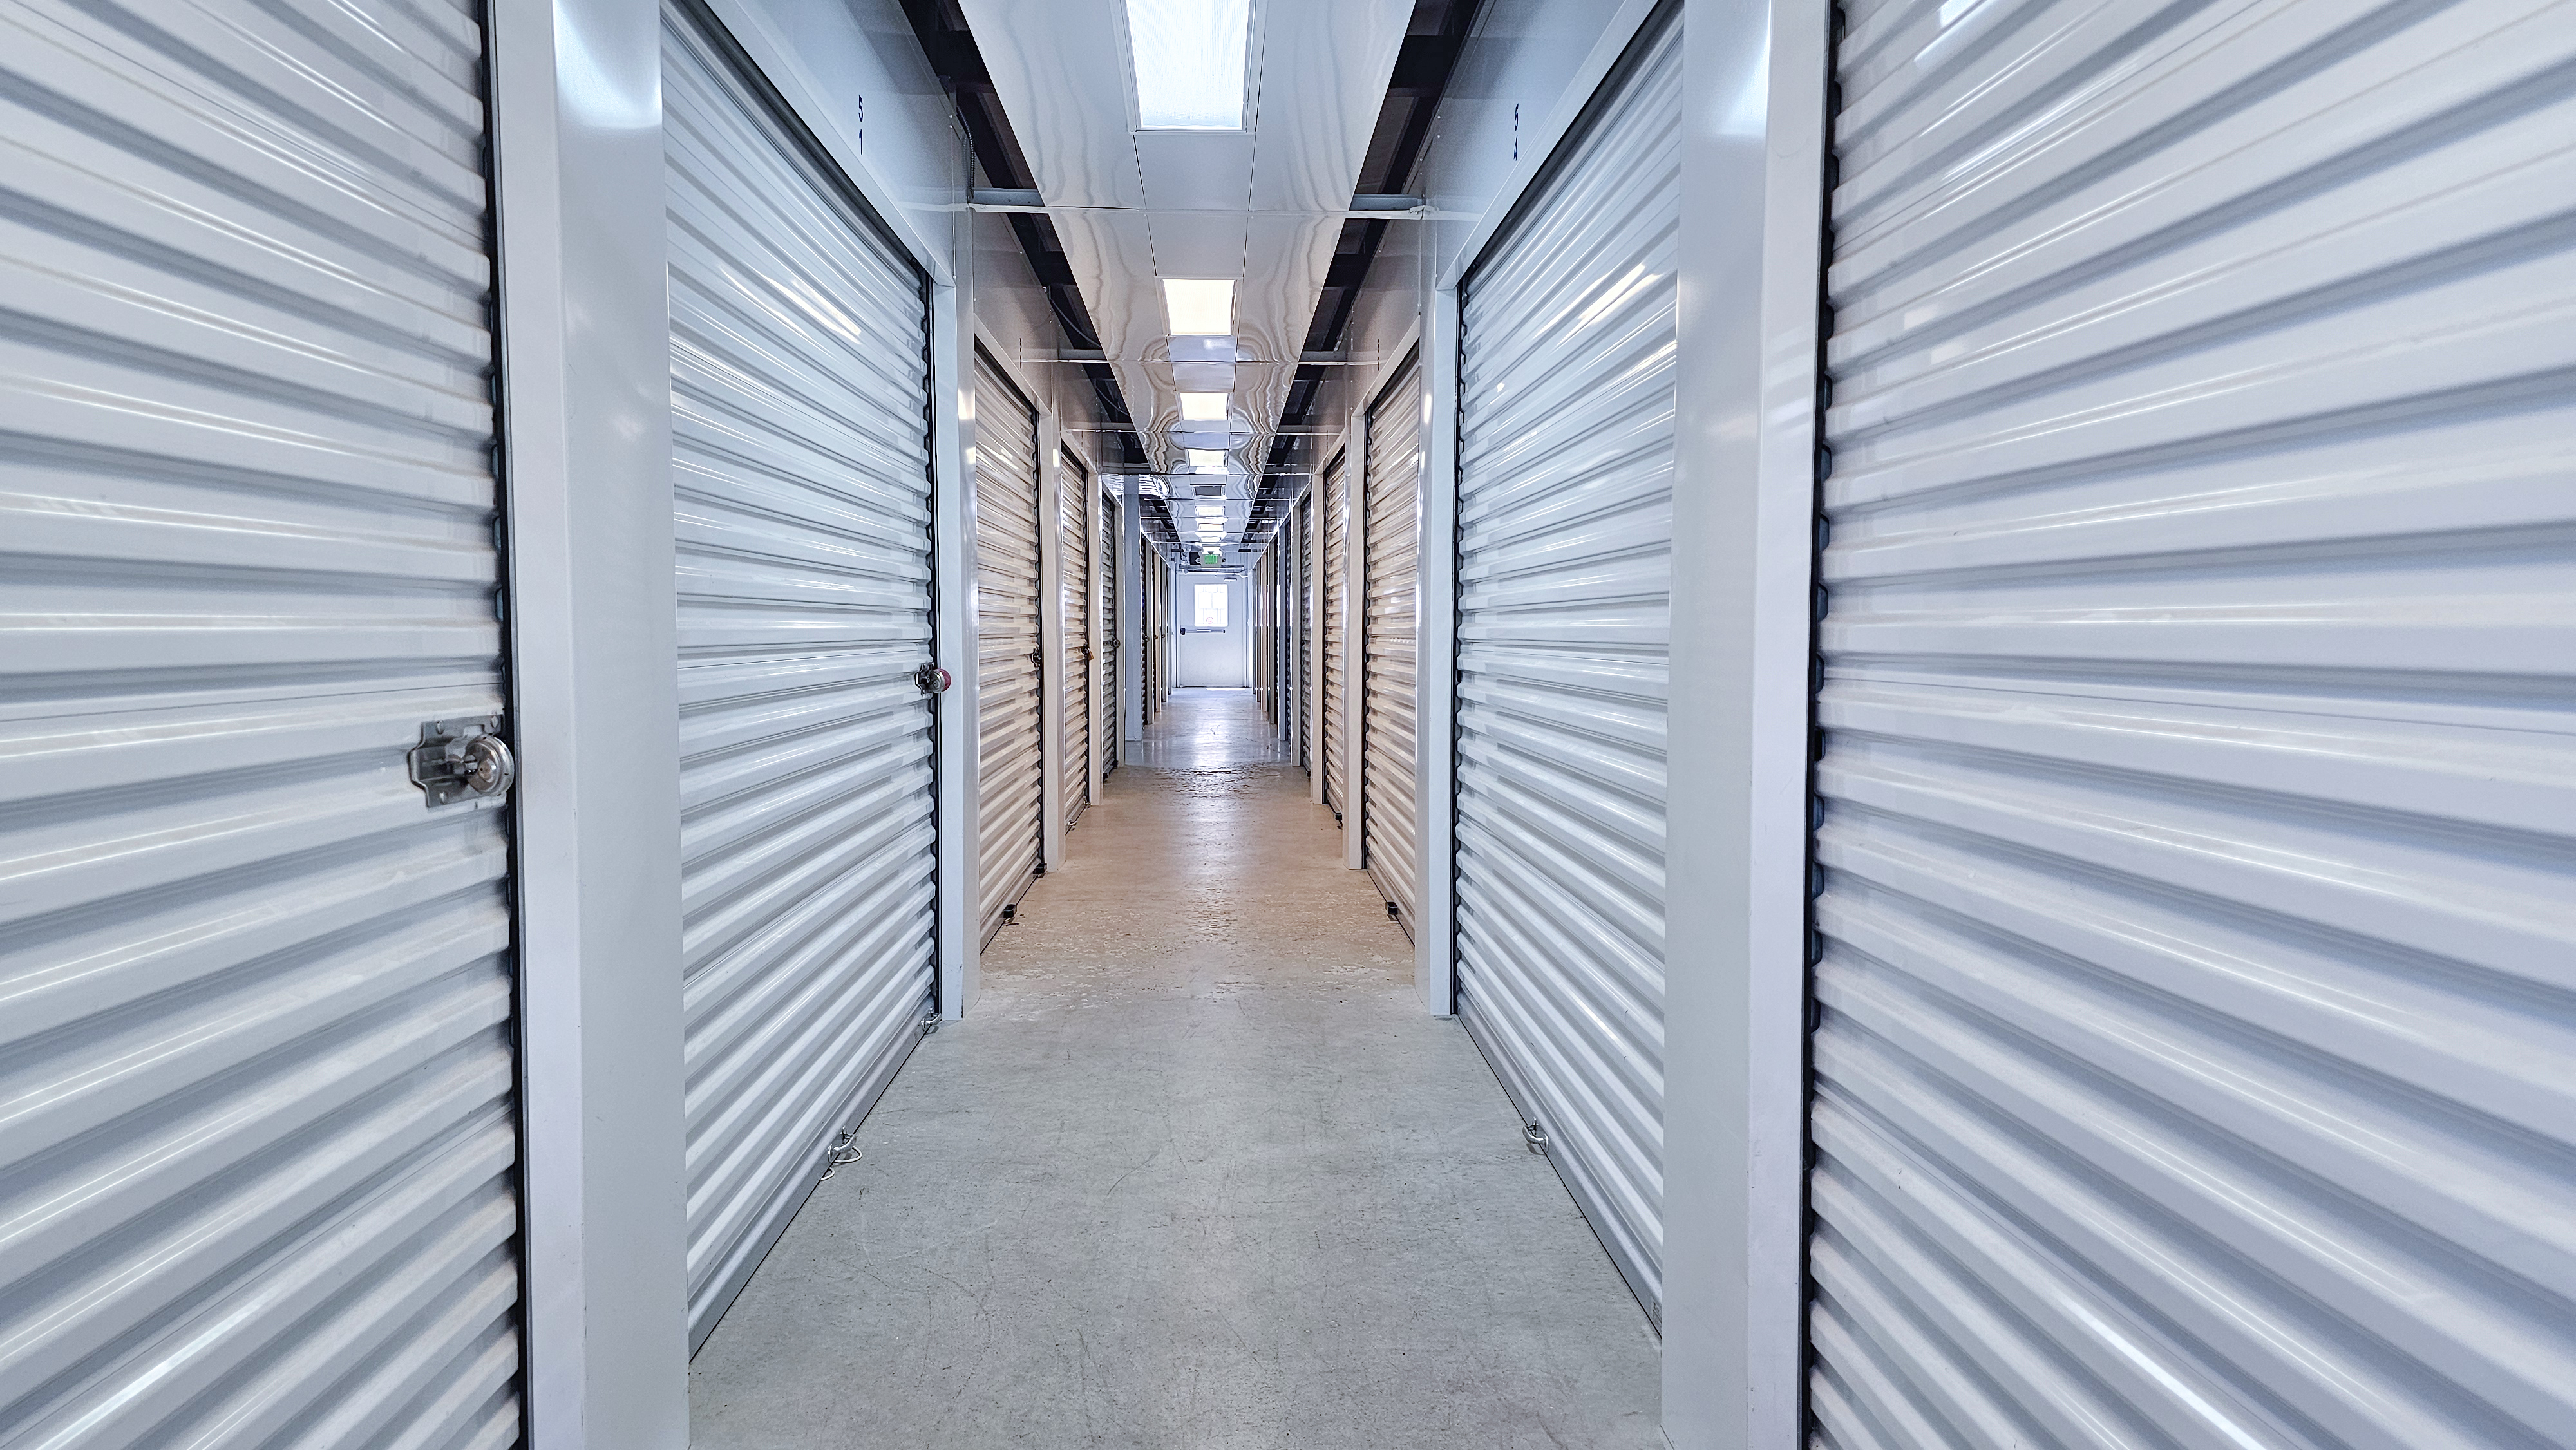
1195, 1172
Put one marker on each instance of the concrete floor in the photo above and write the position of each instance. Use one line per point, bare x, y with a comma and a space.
1196, 1172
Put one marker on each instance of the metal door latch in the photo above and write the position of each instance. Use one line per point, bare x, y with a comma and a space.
457, 759
931, 680
843, 1152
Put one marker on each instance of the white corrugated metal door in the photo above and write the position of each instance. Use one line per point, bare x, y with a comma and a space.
256, 1068
1073, 590
1565, 469
1265, 635
801, 483
1391, 545
2196, 1058
1010, 783
1163, 639
1305, 666
1149, 600
1105, 715
1337, 578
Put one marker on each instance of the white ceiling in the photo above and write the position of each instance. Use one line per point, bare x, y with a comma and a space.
1262, 206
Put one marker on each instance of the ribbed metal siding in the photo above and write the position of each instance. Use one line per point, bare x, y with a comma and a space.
1337, 584
1265, 634
1253, 625
1149, 611
1565, 474
256, 1099
1162, 589
1010, 786
1305, 668
801, 484
1073, 593
2197, 1055
1163, 637
1388, 644
1284, 659
1105, 716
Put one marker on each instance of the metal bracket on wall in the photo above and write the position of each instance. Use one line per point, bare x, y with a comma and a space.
457, 759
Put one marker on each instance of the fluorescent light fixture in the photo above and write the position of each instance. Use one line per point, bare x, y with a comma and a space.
1198, 308
1190, 59
1210, 460
1203, 407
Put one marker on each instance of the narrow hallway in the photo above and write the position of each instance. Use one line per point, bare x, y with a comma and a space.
1197, 1171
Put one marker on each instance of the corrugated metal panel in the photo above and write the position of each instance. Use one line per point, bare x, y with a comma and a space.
1010, 787
1106, 715
256, 1076
1265, 634
1305, 527
800, 390
1337, 597
1391, 544
1284, 661
2196, 1058
1565, 518
1073, 593
1149, 611
1163, 638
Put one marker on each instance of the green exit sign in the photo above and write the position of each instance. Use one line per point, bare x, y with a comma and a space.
1212, 557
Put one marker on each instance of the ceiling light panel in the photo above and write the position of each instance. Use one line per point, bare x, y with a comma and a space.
1196, 308
1203, 407
1190, 58
1207, 458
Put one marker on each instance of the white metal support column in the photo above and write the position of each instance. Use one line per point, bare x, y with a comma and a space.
1052, 766
1435, 936
587, 444
1753, 105
952, 377
1354, 635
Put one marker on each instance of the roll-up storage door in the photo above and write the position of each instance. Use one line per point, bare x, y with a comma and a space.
1390, 544
1306, 636
1256, 584
1266, 634
1105, 717
1073, 591
2195, 1059
1010, 752
1284, 547
1147, 618
800, 390
256, 1060
1158, 593
1565, 471
1337, 577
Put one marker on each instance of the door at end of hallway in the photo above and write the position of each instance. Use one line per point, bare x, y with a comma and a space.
1213, 617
